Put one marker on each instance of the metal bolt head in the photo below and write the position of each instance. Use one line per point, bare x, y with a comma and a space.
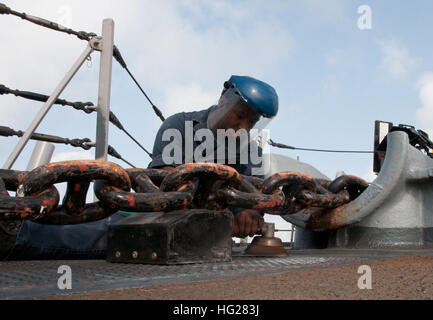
134, 254
268, 230
117, 254
154, 256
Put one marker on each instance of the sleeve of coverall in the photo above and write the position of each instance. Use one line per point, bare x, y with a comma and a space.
173, 128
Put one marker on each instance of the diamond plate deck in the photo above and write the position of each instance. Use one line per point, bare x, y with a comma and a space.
36, 279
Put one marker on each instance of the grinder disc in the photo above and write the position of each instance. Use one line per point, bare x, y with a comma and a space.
265, 246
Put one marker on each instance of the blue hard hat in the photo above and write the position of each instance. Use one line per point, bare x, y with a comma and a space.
257, 94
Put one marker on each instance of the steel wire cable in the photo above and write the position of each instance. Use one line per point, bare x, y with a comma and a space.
116, 122
284, 146
117, 55
87, 107
46, 23
84, 143
112, 152
82, 36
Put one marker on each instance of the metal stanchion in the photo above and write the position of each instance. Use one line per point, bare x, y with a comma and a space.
41, 155
104, 90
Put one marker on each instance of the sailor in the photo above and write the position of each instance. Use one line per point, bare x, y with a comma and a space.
245, 103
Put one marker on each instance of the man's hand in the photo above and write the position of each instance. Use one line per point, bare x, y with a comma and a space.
246, 223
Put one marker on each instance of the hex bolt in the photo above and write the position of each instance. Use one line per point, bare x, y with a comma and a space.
134, 254
117, 254
154, 256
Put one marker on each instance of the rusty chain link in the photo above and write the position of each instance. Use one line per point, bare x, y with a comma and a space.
189, 186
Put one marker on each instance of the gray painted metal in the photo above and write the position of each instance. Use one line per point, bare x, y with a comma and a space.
278, 163
46, 107
381, 190
402, 214
41, 155
405, 196
104, 93
369, 237
396, 210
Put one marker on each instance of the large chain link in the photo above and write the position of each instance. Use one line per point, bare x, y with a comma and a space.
190, 186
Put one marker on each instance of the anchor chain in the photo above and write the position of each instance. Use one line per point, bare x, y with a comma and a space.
189, 186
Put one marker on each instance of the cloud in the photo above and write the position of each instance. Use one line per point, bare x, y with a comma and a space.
424, 114
36, 59
191, 97
396, 59
331, 11
190, 48
189, 42
14, 111
330, 85
334, 58
73, 155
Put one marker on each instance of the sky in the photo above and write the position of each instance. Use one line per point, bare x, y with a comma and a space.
333, 78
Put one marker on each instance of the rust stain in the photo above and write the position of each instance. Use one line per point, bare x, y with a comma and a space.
131, 200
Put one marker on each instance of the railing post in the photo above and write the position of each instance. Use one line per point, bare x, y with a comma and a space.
41, 155
104, 92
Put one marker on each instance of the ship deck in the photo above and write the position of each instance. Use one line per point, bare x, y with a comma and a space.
303, 274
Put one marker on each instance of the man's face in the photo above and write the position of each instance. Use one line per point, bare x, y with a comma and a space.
236, 117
